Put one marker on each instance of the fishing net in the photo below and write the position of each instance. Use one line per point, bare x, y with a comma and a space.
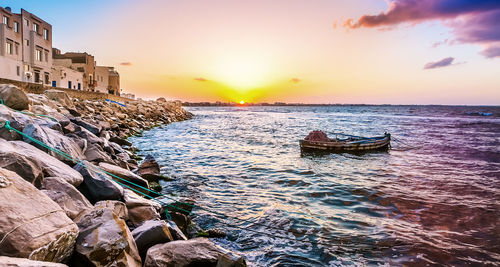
317, 136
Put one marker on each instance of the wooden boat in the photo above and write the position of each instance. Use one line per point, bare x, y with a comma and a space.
351, 144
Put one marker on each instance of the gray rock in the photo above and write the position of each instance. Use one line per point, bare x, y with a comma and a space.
21, 262
120, 141
95, 129
140, 209
127, 176
19, 120
105, 239
33, 164
96, 185
95, 153
59, 96
53, 139
177, 234
14, 97
193, 252
149, 234
31, 224
66, 196
150, 169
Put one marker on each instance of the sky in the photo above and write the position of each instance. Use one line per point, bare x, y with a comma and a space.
308, 51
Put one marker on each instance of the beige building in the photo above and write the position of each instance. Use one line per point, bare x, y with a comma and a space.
82, 62
26, 47
128, 95
64, 77
107, 80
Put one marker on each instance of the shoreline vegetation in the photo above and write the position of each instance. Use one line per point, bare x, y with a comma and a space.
72, 208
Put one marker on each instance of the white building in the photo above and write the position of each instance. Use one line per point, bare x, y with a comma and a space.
65, 77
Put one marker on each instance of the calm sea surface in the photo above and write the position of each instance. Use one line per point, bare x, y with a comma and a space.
432, 200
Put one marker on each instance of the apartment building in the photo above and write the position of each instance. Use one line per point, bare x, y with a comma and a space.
11, 56
65, 77
114, 82
26, 47
82, 62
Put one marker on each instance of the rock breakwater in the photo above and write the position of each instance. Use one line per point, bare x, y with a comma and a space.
63, 166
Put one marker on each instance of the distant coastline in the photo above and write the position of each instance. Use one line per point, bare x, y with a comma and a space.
280, 104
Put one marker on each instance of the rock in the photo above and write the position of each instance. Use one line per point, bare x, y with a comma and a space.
194, 252
140, 209
161, 99
120, 141
14, 97
18, 121
59, 96
141, 184
74, 112
177, 234
149, 169
53, 139
105, 239
96, 185
149, 234
31, 224
53, 113
89, 136
66, 196
217, 233
33, 164
95, 129
95, 153
21, 262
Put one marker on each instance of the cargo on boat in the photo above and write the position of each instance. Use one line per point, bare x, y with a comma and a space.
318, 141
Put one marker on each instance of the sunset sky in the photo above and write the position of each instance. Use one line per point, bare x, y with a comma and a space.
311, 51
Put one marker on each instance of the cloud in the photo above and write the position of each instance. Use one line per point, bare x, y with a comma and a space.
491, 51
126, 63
295, 80
439, 64
200, 79
472, 21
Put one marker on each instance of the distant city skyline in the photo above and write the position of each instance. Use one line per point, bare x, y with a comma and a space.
372, 52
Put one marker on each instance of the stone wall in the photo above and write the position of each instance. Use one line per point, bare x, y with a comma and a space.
35, 88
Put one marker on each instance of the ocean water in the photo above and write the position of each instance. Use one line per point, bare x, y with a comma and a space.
433, 199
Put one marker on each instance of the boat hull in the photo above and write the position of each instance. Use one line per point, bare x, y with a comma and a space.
379, 144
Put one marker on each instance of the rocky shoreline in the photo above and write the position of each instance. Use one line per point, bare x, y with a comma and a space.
95, 204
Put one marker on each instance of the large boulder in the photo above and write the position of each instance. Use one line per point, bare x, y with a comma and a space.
95, 153
95, 129
105, 239
66, 195
19, 120
21, 262
55, 140
59, 96
13, 97
33, 164
140, 209
149, 169
97, 185
193, 252
149, 234
31, 224
131, 179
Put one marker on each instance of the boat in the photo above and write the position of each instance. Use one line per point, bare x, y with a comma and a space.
318, 141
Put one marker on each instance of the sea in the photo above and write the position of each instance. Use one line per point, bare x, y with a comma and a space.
433, 199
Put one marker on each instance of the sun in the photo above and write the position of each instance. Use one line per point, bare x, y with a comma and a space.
242, 102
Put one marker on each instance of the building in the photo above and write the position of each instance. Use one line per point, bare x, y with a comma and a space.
82, 62
102, 79
128, 95
107, 80
65, 77
26, 47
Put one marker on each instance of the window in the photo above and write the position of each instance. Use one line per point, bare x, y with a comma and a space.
38, 55
37, 76
27, 42
26, 68
8, 48
45, 34
16, 26
5, 20
46, 56
35, 27
46, 76
18, 70
17, 49
27, 22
